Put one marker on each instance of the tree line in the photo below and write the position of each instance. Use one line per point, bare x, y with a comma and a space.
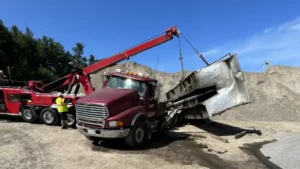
30, 58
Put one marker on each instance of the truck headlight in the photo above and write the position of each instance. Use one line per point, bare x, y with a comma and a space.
115, 124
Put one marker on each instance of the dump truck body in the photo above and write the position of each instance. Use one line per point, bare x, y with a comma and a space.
211, 90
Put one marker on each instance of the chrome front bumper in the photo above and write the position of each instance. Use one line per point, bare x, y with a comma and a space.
103, 133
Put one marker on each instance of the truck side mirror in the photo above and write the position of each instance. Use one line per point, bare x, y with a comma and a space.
104, 78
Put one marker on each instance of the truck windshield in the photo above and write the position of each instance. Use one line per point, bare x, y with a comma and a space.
125, 83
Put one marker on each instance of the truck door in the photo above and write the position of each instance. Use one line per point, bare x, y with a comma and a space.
2, 102
13, 101
151, 101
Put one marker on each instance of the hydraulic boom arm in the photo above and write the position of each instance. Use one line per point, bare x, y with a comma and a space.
82, 75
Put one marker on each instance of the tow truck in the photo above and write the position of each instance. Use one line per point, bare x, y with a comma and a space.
36, 100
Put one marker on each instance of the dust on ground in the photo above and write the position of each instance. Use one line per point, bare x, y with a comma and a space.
24, 145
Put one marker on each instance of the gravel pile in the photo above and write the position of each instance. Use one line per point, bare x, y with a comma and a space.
275, 94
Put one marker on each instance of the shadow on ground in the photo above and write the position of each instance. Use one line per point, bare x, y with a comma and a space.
175, 148
158, 140
221, 129
254, 149
14, 119
19, 119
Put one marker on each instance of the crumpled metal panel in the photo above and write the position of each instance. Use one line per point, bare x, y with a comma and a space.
224, 77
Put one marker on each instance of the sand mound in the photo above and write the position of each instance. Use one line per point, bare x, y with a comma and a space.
275, 94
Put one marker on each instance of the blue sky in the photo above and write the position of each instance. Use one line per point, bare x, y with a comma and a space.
256, 30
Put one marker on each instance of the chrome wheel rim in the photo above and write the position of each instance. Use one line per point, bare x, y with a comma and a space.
70, 119
139, 135
48, 117
28, 114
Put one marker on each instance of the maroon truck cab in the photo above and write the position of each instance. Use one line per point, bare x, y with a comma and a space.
113, 111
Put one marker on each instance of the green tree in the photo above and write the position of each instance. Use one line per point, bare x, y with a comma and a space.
31, 58
6, 47
92, 59
78, 54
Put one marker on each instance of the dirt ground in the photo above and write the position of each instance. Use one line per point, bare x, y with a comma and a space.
24, 145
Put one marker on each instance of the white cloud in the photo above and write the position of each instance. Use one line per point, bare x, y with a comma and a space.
268, 30
210, 52
290, 25
279, 44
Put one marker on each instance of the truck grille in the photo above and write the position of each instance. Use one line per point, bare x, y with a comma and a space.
91, 111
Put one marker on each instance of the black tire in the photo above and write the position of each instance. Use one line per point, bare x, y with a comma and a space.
137, 136
49, 117
174, 121
71, 120
28, 114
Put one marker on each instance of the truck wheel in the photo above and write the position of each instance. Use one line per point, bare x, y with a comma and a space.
71, 120
174, 121
137, 135
49, 117
28, 114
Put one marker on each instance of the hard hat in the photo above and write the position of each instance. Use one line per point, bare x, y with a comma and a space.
59, 94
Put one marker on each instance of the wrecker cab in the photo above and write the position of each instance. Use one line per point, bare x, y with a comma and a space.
33, 106
125, 107
147, 87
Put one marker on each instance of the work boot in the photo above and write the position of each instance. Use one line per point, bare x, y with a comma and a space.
63, 125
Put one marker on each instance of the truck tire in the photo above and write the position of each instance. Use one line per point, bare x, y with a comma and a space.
71, 120
49, 117
28, 114
137, 136
174, 121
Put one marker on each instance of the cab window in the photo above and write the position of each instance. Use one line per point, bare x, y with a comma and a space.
1, 97
14, 98
126, 83
18, 97
151, 91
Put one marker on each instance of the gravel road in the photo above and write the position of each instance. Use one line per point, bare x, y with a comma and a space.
36, 146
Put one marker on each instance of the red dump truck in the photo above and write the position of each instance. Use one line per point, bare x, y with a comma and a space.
128, 104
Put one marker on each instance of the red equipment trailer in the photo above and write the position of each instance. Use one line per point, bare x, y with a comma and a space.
37, 100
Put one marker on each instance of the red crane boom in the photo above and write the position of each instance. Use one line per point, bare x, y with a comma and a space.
82, 75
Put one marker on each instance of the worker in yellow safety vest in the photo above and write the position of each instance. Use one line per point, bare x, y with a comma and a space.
62, 109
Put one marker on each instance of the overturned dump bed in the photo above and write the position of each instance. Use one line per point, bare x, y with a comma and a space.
209, 91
